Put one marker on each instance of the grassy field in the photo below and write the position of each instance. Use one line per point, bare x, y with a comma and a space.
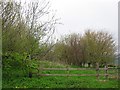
61, 81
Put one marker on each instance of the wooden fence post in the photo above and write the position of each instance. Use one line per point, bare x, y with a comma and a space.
67, 70
97, 70
40, 70
106, 71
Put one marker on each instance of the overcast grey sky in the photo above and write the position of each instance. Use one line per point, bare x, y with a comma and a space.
79, 15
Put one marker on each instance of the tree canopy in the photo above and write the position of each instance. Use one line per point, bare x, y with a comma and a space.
90, 48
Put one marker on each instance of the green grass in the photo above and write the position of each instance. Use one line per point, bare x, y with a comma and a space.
48, 64
60, 81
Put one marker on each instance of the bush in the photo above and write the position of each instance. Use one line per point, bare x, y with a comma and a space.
15, 64
111, 65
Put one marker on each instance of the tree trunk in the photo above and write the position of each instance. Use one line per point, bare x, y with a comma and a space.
30, 74
89, 64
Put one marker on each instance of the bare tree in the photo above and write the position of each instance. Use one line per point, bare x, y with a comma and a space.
32, 18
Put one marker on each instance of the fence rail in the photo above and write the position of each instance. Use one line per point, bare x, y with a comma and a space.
70, 74
73, 68
66, 69
97, 74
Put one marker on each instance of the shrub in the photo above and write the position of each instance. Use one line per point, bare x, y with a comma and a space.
15, 64
111, 65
